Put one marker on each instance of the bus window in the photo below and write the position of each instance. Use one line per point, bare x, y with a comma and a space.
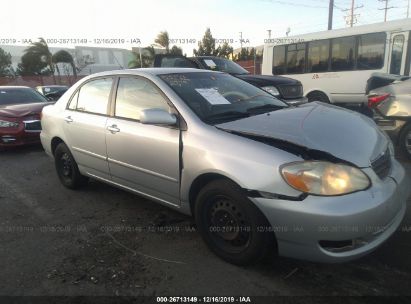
295, 58
279, 60
371, 51
318, 55
342, 58
396, 54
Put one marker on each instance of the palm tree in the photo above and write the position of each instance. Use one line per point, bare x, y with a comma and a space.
63, 56
41, 49
163, 40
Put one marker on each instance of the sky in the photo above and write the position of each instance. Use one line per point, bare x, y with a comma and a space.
185, 20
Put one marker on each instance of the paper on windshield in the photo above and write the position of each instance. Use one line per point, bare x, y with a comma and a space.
210, 63
213, 96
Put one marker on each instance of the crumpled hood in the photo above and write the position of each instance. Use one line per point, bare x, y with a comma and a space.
21, 110
344, 134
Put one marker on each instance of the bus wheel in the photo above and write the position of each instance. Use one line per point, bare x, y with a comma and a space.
318, 96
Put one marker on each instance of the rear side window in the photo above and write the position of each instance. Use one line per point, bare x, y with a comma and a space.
93, 96
343, 54
279, 60
135, 95
318, 55
396, 54
295, 58
371, 49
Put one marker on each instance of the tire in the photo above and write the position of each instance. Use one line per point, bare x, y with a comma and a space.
67, 169
247, 238
318, 96
405, 141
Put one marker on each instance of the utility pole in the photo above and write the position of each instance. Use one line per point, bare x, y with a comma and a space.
330, 15
241, 39
351, 17
385, 9
269, 34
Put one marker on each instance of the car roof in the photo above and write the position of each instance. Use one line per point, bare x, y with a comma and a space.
14, 87
151, 71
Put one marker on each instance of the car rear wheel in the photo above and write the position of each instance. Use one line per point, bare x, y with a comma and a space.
405, 141
318, 96
231, 225
67, 169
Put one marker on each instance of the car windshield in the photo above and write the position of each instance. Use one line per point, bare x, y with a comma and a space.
223, 65
48, 90
20, 96
218, 97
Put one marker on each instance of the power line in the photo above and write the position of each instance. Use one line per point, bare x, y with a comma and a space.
352, 18
386, 9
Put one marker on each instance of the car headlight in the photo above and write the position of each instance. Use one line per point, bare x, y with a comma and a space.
324, 178
8, 124
272, 90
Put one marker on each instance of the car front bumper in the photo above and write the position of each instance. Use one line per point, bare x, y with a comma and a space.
18, 137
339, 228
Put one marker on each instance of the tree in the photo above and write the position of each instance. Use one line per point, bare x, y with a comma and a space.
206, 47
175, 50
37, 60
225, 50
147, 58
163, 40
5, 63
63, 56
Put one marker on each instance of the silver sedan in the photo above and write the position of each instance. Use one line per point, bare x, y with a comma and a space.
314, 182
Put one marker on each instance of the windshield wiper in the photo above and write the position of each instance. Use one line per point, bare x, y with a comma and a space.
229, 115
263, 108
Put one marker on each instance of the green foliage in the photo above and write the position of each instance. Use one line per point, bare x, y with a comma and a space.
175, 50
163, 40
248, 54
63, 56
206, 47
37, 60
147, 58
5, 63
225, 50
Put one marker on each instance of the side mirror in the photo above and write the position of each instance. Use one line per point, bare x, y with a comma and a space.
157, 117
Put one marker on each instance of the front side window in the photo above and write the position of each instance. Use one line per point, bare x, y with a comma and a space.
371, 49
295, 58
279, 60
343, 54
318, 55
93, 96
396, 54
135, 95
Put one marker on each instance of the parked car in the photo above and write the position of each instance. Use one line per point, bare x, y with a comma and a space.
389, 97
20, 109
315, 182
284, 88
52, 92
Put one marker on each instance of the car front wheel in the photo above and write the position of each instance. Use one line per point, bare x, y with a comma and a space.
67, 169
231, 225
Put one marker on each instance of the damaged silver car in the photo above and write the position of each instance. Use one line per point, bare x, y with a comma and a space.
314, 182
390, 100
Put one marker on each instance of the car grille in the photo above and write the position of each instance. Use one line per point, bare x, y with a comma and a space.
382, 165
291, 91
32, 126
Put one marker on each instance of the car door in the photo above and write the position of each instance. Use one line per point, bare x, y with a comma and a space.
143, 157
85, 126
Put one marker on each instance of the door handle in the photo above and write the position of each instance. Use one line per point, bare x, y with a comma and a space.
68, 119
113, 129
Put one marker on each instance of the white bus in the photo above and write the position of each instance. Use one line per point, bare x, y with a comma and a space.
334, 65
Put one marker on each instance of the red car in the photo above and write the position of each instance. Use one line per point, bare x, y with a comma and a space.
20, 109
